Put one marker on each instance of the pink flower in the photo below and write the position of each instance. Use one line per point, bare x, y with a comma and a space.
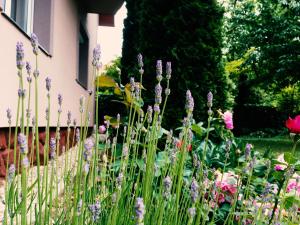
102, 129
278, 167
227, 117
293, 124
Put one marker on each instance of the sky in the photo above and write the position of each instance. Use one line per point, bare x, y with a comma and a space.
111, 38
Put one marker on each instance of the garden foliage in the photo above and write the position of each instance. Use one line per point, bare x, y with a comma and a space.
137, 172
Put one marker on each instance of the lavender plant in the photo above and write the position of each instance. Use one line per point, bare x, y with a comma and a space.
141, 174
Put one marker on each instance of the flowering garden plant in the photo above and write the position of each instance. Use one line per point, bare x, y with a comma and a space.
136, 172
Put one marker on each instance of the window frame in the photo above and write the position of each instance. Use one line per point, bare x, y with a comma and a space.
28, 14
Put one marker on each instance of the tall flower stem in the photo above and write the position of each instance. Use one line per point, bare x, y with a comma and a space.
40, 197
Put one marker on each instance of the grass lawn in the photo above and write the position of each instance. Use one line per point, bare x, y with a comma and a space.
276, 144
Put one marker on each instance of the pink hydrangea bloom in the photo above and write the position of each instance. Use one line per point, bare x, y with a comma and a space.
227, 117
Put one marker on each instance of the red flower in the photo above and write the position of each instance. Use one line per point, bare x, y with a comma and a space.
180, 143
293, 124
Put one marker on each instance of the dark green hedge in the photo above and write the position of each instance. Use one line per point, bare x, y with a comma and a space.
187, 33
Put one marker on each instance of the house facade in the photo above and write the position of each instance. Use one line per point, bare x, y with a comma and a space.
67, 32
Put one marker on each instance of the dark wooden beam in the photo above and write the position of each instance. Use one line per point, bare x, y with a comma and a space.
106, 20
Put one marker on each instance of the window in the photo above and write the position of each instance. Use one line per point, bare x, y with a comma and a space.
32, 16
83, 57
21, 12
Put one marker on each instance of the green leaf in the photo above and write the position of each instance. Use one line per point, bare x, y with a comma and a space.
290, 158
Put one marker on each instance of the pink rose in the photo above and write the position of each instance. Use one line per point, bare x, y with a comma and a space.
227, 117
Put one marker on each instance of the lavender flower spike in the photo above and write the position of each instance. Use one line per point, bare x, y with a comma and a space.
11, 172
192, 212
140, 60
35, 44
248, 150
194, 190
52, 146
209, 99
22, 140
60, 99
159, 70
168, 70
149, 114
167, 182
96, 56
139, 210
19, 55
158, 91
69, 120
48, 83
189, 106
132, 84
95, 210
28, 68
9, 115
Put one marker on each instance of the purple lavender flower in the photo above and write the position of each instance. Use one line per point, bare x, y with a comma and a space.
25, 162
167, 182
88, 146
29, 79
209, 99
79, 207
159, 70
28, 68
194, 190
8, 115
74, 122
137, 92
189, 106
140, 60
60, 99
149, 114
52, 145
192, 212
81, 102
33, 121
125, 150
158, 91
96, 55
139, 210
22, 140
21, 93
119, 180
20, 55
69, 115
35, 44
95, 210
11, 173
77, 135
48, 83
28, 113
156, 108
132, 84
168, 70
196, 161
36, 73
248, 150
47, 113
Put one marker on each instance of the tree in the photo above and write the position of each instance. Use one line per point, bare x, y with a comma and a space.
187, 33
